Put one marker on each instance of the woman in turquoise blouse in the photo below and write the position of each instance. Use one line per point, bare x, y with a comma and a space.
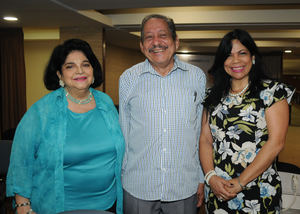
68, 147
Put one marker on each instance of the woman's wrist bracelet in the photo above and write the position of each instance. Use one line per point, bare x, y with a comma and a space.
208, 176
23, 204
243, 187
208, 173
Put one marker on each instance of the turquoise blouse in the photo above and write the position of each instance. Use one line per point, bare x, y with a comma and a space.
36, 162
89, 162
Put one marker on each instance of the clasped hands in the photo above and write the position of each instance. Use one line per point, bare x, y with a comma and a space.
223, 189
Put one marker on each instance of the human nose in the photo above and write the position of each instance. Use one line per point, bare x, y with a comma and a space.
79, 70
235, 58
156, 40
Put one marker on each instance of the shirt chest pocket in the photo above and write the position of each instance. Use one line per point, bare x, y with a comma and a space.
183, 104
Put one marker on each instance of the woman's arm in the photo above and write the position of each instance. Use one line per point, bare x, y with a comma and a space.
217, 184
205, 144
277, 119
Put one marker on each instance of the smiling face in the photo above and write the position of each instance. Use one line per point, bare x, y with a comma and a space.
158, 45
238, 64
77, 72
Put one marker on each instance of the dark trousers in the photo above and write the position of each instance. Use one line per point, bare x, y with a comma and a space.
134, 205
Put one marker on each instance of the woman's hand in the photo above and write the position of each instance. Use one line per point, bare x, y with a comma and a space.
25, 210
221, 188
234, 186
23, 205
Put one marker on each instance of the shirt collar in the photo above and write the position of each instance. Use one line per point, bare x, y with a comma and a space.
177, 65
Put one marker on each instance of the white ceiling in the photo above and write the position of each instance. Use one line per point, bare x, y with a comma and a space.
274, 24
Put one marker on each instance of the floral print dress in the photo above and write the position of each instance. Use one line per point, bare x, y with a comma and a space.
239, 131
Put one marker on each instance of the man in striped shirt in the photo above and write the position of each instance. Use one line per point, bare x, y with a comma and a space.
160, 115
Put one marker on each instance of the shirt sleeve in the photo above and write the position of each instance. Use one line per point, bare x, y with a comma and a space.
124, 117
202, 84
275, 92
19, 176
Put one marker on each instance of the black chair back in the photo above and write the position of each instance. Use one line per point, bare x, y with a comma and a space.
5, 148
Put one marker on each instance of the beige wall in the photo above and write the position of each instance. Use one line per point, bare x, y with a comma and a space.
117, 61
37, 54
291, 151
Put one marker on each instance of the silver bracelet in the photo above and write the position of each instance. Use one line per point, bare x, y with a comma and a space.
23, 204
243, 187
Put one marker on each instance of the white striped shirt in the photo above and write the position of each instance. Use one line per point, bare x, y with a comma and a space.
161, 121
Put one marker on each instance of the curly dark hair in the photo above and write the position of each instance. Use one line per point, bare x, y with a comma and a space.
59, 56
221, 80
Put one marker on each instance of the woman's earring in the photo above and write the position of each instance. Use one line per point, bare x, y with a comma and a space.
61, 83
93, 81
253, 61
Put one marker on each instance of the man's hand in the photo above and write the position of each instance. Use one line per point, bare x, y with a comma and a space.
200, 194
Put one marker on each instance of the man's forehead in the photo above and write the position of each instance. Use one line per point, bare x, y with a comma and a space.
157, 30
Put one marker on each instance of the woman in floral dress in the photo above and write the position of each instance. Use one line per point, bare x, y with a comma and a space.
244, 126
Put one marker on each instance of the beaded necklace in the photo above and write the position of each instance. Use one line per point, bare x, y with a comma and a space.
241, 92
83, 101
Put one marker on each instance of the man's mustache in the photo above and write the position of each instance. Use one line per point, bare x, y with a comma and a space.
152, 49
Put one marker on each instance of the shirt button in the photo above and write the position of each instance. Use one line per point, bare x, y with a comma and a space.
164, 149
163, 169
165, 130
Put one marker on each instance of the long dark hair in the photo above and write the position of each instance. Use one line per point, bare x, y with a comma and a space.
59, 56
221, 80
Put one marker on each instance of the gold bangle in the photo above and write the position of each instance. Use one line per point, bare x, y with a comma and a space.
23, 204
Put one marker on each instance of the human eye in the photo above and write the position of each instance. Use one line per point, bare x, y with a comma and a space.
68, 66
243, 52
87, 64
148, 37
163, 35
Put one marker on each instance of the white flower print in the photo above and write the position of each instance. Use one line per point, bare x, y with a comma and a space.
220, 211
248, 114
220, 110
258, 135
268, 174
233, 132
244, 155
222, 173
225, 149
217, 133
280, 86
267, 95
251, 184
261, 121
227, 100
237, 202
215, 145
252, 207
266, 190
